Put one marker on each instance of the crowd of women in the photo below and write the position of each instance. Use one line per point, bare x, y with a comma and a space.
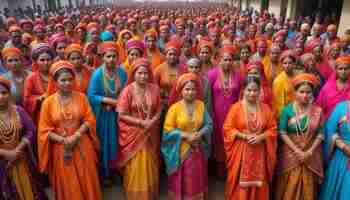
142, 91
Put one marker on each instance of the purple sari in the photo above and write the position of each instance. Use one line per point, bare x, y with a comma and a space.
7, 186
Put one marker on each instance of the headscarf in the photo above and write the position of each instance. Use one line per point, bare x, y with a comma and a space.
343, 59
193, 61
56, 38
255, 64
106, 36
6, 52
62, 64
305, 77
38, 28
137, 64
42, 48
311, 45
73, 48
6, 83
15, 28
135, 44
204, 43
173, 45
108, 46
176, 92
288, 53
22, 22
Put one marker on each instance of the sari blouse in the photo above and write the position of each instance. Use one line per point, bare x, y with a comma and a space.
174, 148
303, 131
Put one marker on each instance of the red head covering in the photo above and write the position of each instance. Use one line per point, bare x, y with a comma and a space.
343, 59
140, 62
175, 94
204, 43
56, 38
108, 46
93, 25
173, 45
15, 28
231, 49
288, 53
311, 45
39, 27
22, 22
135, 44
255, 64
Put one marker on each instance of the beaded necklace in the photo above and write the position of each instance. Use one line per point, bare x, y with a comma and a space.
298, 114
9, 132
107, 89
248, 120
225, 85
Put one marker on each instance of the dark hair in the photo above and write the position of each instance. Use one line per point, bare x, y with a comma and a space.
251, 79
139, 50
62, 71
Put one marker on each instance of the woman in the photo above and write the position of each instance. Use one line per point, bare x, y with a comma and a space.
272, 63
139, 108
336, 88
194, 66
308, 61
256, 69
67, 140
17, 74
166, 74
224, 82
282, 89
245, 53
123, 38
17, 166
250, 146
300, 166
204, 52
35, 85
152, 52
135, 50
185, 143
104, 88
58, 43
337, 152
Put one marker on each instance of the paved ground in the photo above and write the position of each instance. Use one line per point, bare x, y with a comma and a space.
216, 191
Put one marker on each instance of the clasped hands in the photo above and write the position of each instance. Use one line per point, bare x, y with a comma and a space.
193, 138
252, 138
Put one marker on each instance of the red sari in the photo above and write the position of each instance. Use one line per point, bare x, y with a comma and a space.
250, 167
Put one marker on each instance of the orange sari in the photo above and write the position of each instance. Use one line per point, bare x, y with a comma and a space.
155, 58
73, 177
250, 167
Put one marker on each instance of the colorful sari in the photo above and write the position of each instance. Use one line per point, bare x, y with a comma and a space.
19, 180
250, 167
296, 180
138, 155
282, 92
106, 118
330, 95
186, 165
221, 102
337, 175
72, 173
271, 70
155, 58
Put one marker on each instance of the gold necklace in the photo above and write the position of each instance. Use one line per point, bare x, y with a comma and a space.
9, 132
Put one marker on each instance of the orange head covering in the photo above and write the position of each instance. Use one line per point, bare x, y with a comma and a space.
6, 83
73, 48
175, 94
305, 77
343, 59
231, 49
204, 43
6, 52
140, 62
15, 28
179, 22
255, 64
93, 25
108, 46
57, 66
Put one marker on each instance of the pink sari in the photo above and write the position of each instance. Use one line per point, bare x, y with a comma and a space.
330, 95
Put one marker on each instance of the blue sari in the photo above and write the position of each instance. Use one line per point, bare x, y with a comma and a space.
337, 177
106, 120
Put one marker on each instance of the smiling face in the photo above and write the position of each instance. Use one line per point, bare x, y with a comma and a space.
189, 91
76, 59
251, 92
303, 93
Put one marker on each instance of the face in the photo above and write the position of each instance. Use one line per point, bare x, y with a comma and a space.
16, 37
288, 65
81, 33
13, 62
110, 58
133, 54
204, 54
76, 59
342, 71
275, 54
40, 34
126, 37
60, 49
150, 42
262, 48
44, 61
4, 95
94, 35
226, 61
194, 68
164, 34
180, 30
186, 48
317, 51
171, 56
245, 54
214, 36
251, 92
65, 82
27, 27
254, 72
335, 52
189, 91
141, 75
304, 94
